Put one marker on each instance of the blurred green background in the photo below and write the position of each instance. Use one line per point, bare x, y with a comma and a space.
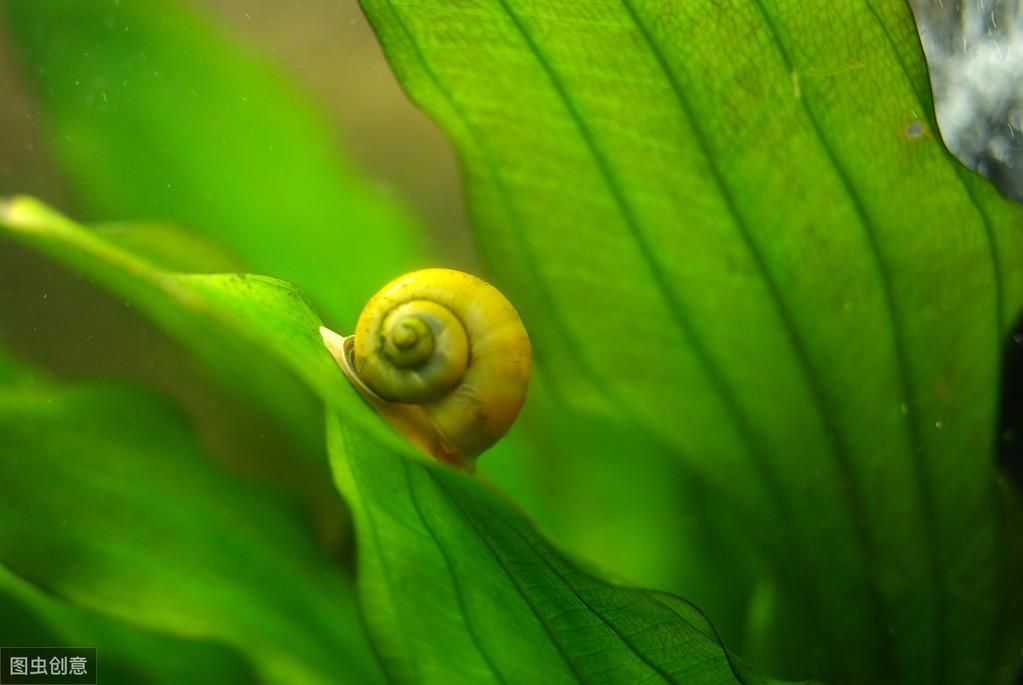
327, 48
55, 319
637, 522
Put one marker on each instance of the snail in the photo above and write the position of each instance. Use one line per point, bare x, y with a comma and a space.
443, 357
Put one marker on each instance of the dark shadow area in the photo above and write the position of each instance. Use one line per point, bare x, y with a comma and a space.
1010, 427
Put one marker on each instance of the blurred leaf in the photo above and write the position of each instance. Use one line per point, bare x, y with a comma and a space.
116, 511
673, 641
731, 225
15, 372
156, 115
127, 654
503, 606
236, 322
170, 247
98, 256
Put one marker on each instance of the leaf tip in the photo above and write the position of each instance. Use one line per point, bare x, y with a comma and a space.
16, 210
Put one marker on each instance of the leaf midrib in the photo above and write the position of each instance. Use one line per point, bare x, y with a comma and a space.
456, 505
811, 608
384, 566
837, 439
456, 584
586, 606
713, 372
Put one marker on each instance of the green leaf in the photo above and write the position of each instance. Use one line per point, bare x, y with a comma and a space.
647, 524
15, 372
503, 606
98, 254
156, 115
272, 316
127, 654
170, 247
236, 322
731, 226
114, 509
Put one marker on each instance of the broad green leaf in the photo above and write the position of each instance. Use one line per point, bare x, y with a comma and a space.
127, 654
107, 140
731, 226
99, 255
503, 606
585, 509
108, 504
670, 639
156, 115
646, 524
169, 247
222, 317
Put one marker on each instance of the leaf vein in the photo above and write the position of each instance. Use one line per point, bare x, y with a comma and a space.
1001, 613
456, 584
457, 506
901, 357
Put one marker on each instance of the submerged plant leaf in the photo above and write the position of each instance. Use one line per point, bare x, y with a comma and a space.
503, 606
732, 226
99, 255
169, 247
669, 638
110, 506
237, 323
647, 524
127, 654
155, 115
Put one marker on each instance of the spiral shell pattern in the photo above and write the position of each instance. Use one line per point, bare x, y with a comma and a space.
453, 346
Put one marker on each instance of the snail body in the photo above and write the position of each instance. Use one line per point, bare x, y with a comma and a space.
444, 357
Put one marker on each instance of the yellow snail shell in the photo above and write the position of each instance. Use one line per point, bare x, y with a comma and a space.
443, 357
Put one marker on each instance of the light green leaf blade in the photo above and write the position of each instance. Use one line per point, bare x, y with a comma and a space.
170, 247
647, 524
156, 115
272, 316
732, 225
503, 606
236, 322
99, 255
127, 654
115, 510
